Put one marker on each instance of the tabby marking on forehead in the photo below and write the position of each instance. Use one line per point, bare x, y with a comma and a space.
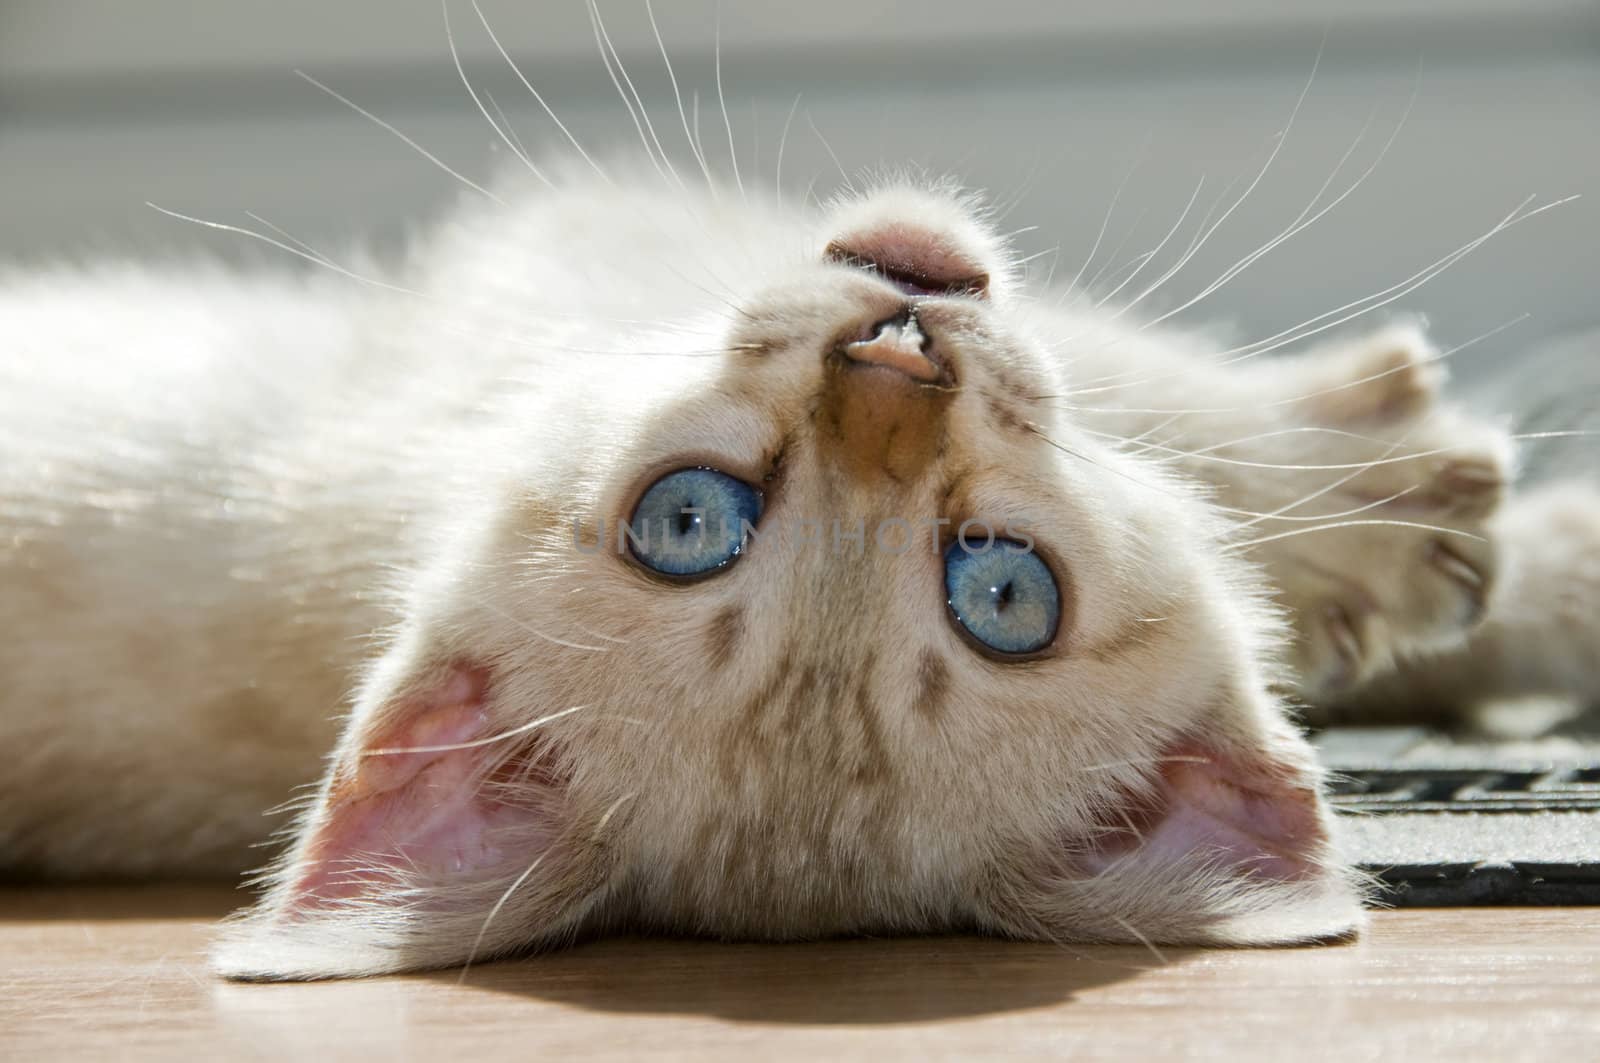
740, 745
874, 764
807, 717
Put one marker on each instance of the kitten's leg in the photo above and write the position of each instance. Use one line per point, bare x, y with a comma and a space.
1364, 496
1369, 501
1542, 633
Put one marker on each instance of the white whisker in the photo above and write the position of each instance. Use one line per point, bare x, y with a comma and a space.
1560, 434
315, 255
1292, 400
605, 818
477, 942
495, 40
536, 633
677, 96
1146, 942
461, 71
783, 141
1146, 258
644, 113
1111, 259
722, 100
601, 42
1235, 547
500, 116
1178, 455
851, 185
532, 725
1257, 518
1349, 311
1261, 174
418, 148
1303, 222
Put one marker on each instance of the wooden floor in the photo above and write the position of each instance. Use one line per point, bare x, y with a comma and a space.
120, 973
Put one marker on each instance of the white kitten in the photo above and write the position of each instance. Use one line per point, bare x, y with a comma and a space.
837, 717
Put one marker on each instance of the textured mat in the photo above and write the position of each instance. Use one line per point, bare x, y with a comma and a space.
1443, 820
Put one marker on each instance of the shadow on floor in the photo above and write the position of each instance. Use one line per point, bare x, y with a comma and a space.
866, 981
21, 902
863, 981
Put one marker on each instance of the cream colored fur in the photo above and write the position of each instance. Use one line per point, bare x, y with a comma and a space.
231, 500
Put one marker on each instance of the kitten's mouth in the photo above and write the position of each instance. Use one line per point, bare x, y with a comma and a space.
918, 262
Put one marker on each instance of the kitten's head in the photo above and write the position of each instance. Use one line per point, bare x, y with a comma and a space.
844, 629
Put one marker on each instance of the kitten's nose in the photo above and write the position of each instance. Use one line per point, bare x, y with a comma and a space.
898, 343
884, 397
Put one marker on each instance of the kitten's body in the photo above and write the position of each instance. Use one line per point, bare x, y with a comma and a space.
219, 487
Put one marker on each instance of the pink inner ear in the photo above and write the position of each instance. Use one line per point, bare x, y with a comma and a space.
412, 804
1248, 813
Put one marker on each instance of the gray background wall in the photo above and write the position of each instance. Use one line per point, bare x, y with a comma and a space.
107, 104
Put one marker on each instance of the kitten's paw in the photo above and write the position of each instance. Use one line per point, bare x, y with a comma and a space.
1388, 375
1384, 551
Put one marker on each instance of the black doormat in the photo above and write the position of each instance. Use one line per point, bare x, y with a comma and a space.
1441, 819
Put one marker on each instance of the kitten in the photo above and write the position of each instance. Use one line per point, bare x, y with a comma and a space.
708, 566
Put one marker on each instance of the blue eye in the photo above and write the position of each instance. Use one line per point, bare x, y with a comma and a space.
1004, 595
693, 521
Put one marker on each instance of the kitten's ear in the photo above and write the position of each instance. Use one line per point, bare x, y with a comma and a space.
1221, 844
1247, 812
435, 839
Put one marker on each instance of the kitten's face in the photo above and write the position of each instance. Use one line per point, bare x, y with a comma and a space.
849, 717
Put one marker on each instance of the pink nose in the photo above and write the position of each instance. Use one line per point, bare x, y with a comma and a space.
898, 343
881, 409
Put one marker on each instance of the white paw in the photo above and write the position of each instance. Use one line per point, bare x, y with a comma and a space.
1385, 550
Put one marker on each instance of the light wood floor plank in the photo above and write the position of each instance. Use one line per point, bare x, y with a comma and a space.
120, 973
